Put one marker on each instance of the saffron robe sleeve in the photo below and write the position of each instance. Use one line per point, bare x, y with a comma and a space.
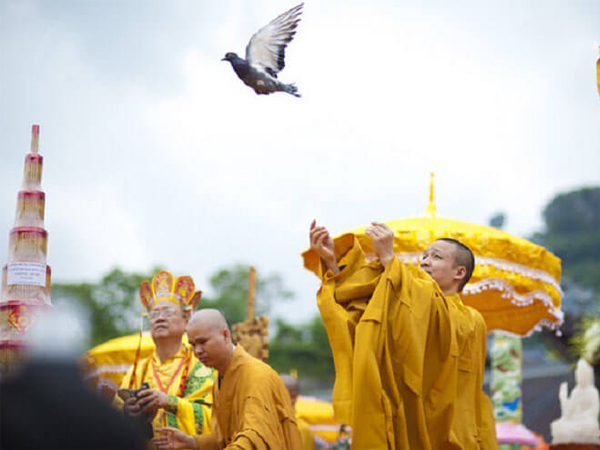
394, 351
252, 409
191, 412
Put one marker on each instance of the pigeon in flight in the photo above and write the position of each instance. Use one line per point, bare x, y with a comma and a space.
265, 54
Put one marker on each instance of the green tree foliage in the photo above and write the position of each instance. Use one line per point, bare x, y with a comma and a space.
111, 305
304, 348
573, 233
498, 220
574, 212
230, 286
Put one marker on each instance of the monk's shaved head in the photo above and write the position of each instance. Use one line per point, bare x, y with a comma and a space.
211, 318
209, 336
291, 383
463, 256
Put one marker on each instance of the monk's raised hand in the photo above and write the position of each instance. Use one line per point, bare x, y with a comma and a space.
322, 243
383, 241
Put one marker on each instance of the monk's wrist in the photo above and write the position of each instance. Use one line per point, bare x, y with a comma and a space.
172, 404
192, 443
385, 259
331, 264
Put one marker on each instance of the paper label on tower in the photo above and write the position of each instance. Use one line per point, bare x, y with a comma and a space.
26, 273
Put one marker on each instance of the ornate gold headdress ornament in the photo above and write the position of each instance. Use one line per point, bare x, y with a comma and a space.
165, 287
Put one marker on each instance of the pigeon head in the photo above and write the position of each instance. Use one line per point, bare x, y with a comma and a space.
230, 56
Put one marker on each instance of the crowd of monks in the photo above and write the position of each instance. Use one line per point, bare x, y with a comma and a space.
409, 359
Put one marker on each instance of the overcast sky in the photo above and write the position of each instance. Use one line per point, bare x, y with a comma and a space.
155, 153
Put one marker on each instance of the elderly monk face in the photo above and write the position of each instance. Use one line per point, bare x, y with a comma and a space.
210, 342
438, 261
166, 321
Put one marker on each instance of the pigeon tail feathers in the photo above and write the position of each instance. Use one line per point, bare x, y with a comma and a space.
292, 89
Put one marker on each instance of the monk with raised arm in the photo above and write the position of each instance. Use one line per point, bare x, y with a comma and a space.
394, 333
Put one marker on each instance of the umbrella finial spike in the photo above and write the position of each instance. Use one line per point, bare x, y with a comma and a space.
431, 205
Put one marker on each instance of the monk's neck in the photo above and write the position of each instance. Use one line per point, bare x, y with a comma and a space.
167, 348
450, 291
222, 366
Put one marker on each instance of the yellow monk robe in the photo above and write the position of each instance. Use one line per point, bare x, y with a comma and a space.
191, 412
473, 422
308, 440
394, 351
251, 409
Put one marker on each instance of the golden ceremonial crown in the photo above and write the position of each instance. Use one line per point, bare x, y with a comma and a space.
165, 287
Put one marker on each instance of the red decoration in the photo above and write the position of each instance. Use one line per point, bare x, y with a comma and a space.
21, 317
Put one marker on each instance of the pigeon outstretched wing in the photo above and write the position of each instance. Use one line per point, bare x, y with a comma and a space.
266, 49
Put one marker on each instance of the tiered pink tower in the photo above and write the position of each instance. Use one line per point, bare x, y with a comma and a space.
26, 276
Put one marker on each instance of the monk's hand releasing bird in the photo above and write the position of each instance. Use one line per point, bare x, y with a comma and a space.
265, 55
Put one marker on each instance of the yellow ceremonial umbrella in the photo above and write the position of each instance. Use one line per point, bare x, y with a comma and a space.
106, 364
319, 415
515, 284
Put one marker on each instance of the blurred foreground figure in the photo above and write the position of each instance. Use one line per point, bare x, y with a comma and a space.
251, 407
47, 405
170, 387
292, 384
409, 355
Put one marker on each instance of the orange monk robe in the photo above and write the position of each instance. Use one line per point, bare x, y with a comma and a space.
191, 412
474, 418
251, 409
394, 351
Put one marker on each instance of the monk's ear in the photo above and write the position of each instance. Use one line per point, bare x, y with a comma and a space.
461, 272
226, 334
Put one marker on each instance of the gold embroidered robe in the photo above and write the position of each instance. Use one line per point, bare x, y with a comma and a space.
191, 412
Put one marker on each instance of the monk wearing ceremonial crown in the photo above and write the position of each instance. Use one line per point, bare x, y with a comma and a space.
170, 387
